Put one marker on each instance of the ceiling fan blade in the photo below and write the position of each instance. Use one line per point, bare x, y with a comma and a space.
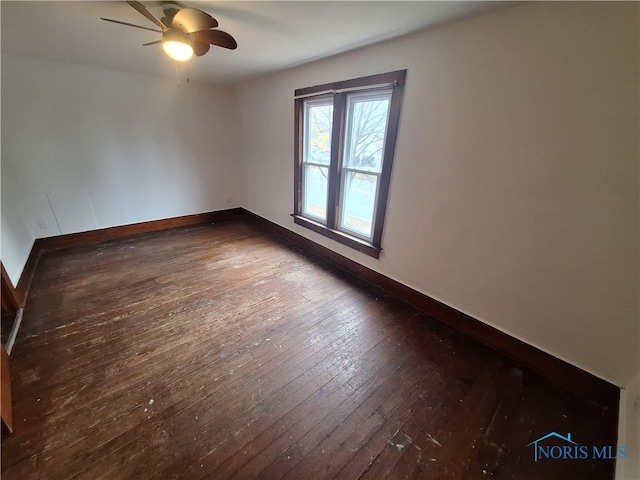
215, 37
166, 21
157, 42
131, 25
169, 11
143, 10
192, 20
200, 48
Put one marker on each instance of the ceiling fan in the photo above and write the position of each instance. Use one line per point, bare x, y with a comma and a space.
185, 31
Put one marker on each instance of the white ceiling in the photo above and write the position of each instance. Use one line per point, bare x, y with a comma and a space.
271, 35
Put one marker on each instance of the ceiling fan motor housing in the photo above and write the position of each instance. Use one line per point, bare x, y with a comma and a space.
176, 35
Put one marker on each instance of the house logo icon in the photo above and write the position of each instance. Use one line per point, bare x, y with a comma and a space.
540, 449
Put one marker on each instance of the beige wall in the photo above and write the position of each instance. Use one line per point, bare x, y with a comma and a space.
514, 195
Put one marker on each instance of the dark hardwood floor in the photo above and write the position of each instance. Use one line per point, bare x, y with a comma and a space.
222, 352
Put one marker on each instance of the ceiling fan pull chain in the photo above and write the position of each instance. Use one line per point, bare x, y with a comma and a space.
177, 76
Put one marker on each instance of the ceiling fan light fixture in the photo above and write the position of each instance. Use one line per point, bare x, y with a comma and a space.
178, 50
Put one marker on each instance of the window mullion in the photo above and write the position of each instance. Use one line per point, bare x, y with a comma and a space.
337, 140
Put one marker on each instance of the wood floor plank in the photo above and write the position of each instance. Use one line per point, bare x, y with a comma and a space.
222, 351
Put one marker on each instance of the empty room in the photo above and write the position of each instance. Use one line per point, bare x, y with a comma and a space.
320, 240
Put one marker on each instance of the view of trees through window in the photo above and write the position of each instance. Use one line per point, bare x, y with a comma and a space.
319, 116
366, 127
367, 116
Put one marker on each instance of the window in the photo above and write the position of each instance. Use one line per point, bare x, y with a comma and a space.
345, 142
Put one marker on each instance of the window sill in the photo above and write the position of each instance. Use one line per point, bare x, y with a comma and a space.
340, 237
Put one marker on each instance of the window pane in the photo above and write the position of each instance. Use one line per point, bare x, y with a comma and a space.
318, 132
366, 128
315, 191
358, 202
